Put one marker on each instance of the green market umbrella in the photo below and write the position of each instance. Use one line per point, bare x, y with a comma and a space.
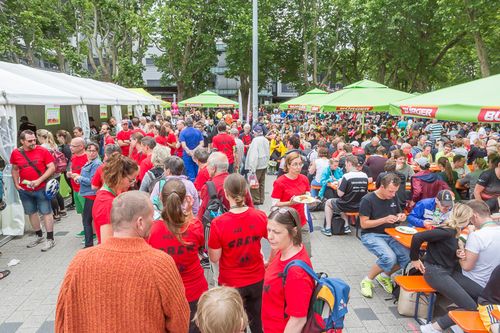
475, 101
208, 99
362, 96
304, 102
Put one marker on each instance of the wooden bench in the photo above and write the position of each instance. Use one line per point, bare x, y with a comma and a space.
417, 284
468, 321
316, 187
353, 219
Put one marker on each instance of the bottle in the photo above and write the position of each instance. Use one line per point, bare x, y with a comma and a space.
436, 217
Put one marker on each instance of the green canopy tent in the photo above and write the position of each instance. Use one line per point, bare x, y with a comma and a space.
208, 99
362, 96
475, 101
304, 102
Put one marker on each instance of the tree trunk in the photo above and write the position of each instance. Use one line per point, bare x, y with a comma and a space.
245, 94
180, 90
314, 9
305, 45
482, 54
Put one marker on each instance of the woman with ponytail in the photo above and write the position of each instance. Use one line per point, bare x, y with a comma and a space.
180, 234
448, 175
119, 174
234, 243
441, 261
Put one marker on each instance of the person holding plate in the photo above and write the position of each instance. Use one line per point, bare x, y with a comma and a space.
289, 189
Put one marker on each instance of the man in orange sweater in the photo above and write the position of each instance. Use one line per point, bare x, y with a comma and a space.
123, 285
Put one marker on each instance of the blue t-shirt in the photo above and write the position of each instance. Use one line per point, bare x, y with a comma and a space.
191, 136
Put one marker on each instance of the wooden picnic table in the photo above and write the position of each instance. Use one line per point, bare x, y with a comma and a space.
496, 314
403, 239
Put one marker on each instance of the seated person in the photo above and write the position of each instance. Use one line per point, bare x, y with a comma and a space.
330, 174
391, 167
470, 179
317, 167
489, 300
448, 175
459, 166
425, 184
379, 210
488, 183
376, 162
446, 152
426, 153
351, 188
431, 211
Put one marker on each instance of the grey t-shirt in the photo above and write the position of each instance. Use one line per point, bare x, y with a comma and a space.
486, 243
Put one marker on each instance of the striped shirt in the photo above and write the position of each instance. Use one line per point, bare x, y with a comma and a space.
435, 130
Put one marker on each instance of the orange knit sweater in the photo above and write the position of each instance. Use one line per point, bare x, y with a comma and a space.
123, 285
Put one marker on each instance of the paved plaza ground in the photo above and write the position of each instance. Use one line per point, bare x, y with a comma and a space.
28, 296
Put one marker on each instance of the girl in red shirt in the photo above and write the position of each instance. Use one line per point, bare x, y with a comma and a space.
235, 242
290, 185
180, 235
119, 174
285, 305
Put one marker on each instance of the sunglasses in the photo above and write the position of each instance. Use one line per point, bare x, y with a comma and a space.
284, 211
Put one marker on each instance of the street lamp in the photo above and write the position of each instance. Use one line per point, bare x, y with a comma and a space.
255, 61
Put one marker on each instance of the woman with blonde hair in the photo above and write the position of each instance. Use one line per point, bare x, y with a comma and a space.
440, 262
220, 310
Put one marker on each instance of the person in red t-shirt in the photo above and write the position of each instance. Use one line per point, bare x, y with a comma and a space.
200, 157
136, 148
285, 305
119, 173
172, 140
246, 137
106, 133
123, 138
289, 186
225, 143
30, 183
161, 138
148, 144
181, 235
235, 241
78, 160
136, 128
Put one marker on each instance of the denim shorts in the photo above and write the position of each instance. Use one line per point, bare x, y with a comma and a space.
387, 250
35, 202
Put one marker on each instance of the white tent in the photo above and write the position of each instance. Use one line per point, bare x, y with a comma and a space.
22, 85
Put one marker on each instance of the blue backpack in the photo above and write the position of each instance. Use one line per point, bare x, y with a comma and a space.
328, 304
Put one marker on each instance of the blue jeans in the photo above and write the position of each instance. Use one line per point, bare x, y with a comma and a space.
190, 167
314, 192
387, 250
35, 201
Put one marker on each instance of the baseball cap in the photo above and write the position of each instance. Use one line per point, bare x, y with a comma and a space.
422, 161
355, 143
445, 197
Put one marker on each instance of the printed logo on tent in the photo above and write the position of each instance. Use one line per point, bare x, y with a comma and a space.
314, 108
225, 105
193, 105
300, 107
354, 108
489, 114
421, 111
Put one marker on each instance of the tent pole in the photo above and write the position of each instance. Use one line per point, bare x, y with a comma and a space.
362, 123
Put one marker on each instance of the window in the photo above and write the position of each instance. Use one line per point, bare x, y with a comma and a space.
150, 62
153, 83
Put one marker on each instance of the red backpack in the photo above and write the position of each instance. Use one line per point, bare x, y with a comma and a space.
60, 160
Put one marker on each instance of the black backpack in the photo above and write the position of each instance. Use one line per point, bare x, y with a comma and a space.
155, 174
214, 208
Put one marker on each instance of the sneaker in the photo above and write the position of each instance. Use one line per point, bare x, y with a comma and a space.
428, 329
205, 263
35, 241
63, 213
347, 229
50, 243
57, 218
385, 282
70, 207
367, 288
80, 234
456, 329
326, 232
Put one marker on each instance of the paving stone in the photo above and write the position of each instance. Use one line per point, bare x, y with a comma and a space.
365, 314
47, 327
9, 327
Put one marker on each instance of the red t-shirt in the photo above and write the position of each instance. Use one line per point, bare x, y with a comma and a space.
77, 163
39, 156
135, 130
161, 140
145, 166
201, 178
239, 235
150, 134
297, 292
101, 211
219, 186
247, 140
109, 140
138, 156
285, 188
97, 178
185, 255
124, 135
225, 143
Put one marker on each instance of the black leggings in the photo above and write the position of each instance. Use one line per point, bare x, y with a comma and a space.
455, 286
252, 301
58, 201
193, 306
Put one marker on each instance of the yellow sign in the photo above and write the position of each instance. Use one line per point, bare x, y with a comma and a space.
103, 111
52, 115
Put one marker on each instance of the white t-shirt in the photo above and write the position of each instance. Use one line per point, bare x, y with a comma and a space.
486, 243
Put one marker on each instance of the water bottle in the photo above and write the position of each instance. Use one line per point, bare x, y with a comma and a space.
436, 217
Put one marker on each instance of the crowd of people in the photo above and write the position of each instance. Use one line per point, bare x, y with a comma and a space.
166, 196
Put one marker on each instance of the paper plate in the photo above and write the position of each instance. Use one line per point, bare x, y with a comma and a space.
304, 199
406, 230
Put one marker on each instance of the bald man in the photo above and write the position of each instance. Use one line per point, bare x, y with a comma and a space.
78, 160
